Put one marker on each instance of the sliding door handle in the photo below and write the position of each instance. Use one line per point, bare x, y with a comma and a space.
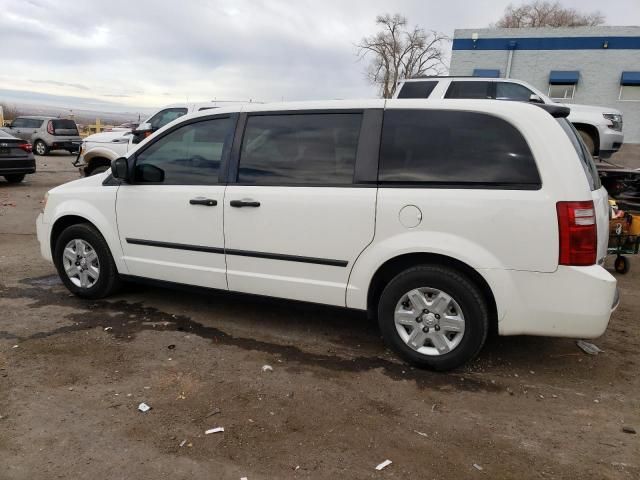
244, 203
208, 202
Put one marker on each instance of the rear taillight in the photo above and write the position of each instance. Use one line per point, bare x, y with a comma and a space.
578, 233
25, 146
50, 129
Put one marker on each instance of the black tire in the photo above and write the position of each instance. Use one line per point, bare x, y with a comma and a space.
589, 141
465, 292
15, 178
108, 280
622, 264
40, 148
98, 169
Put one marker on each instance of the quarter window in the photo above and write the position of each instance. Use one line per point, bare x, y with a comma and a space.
469, 89
433, 147
299, 149
190, 155
417, 89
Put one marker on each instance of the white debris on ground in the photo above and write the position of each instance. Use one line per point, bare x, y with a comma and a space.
214, 430
267, 368
477, 467
589, 348
143, 407
384, 464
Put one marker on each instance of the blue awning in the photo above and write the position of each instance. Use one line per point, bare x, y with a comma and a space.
562, 77
630, 78
485, 72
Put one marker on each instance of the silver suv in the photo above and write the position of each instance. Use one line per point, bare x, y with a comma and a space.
46, 133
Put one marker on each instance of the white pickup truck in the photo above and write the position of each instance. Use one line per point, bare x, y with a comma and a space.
100, 149
600, 127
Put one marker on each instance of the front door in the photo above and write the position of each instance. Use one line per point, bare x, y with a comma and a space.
170, 219
295, 219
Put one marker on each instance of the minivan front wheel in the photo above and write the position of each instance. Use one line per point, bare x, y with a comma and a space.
434, 317
40, 148
84, 262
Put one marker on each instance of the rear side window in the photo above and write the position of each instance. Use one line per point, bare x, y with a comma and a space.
299, 149
512, 91
33, 123
586, 160
417, 89
469, 89
454, 148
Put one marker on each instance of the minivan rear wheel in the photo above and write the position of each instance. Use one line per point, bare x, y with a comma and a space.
434, 317
84, 262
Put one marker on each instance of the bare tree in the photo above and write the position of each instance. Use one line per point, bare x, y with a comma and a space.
543, 13
9, 111
398, 52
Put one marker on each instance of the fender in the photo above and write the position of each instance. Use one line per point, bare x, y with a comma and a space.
461, 249
106, 225
102, 152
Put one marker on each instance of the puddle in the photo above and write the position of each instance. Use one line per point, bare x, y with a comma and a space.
125, 319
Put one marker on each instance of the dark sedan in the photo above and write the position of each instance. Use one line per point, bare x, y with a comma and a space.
16, 159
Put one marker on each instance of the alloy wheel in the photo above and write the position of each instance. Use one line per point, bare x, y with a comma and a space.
81, 263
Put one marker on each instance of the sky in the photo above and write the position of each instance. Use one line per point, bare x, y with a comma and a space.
114, 54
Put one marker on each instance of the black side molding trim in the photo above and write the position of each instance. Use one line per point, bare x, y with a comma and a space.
240, 253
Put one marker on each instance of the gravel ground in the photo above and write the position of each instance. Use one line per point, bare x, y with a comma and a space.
336, 404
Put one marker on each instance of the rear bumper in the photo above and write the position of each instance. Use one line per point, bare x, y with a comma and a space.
19, 166
572, 302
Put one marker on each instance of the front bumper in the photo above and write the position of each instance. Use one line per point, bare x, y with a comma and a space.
610, 141
575, 302
43, 235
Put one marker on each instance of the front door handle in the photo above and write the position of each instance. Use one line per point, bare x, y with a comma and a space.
244, 203
208, 202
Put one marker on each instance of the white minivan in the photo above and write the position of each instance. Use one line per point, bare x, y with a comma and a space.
444, 219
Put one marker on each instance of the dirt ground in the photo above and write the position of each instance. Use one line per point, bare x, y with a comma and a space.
336, 404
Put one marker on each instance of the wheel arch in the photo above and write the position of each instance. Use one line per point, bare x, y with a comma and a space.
592, 131
393, 266
64, 222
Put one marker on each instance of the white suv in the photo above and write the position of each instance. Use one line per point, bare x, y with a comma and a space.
445, 219
600, 127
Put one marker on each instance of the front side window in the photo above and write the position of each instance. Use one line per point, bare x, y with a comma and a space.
440, 147
19, 123
299, 149
562, 92
470, 89
513, 92
189, 155
165, 116
417, 89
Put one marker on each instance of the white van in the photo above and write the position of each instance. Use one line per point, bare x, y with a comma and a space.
445, 219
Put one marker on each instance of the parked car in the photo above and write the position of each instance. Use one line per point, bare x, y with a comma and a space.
100, 149
443, 219
46, 133
600, 127
16, 159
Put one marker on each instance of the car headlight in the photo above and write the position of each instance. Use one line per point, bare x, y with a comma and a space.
615, 119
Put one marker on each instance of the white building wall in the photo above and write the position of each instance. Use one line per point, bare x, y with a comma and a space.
600, 69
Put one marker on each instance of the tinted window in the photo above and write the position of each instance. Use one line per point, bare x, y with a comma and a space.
190, 155
583, 152
417, 89
299, 149
512, 91
163, 117
449, 147
19, 123
33, 123
469, 89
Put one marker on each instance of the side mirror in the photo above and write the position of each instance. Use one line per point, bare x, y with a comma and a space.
535, 98
120, 169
